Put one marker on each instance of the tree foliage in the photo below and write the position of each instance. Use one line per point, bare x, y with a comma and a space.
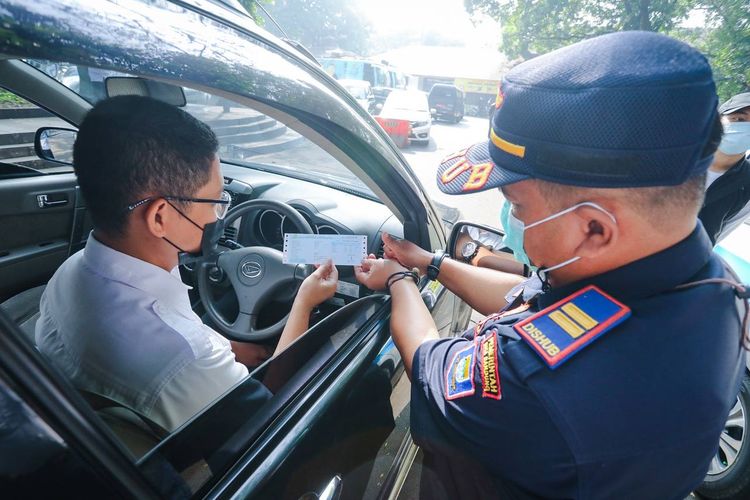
533, 27
321, 25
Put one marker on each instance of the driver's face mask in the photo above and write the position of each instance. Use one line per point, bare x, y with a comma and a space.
514, 235
211, 233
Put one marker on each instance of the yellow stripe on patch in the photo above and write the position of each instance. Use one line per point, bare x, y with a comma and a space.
566, 324
506, 146
579, 316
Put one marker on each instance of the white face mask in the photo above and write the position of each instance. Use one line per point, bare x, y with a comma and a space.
736, 138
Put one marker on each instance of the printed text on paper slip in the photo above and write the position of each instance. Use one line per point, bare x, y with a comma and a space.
342, 249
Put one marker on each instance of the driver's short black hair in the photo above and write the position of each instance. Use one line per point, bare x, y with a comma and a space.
131, 147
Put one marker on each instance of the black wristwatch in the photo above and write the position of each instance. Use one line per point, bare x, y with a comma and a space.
434, 268
469, 251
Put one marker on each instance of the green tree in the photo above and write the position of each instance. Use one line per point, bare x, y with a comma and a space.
533, 27
252, 8
321, 25
726, 42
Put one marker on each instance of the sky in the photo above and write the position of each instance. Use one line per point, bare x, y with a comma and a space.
445, 17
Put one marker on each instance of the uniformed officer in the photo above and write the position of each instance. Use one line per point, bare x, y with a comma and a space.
610, 373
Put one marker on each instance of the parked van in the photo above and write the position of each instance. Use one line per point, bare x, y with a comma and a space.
446, 102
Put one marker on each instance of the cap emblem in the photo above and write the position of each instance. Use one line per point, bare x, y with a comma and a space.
500, 98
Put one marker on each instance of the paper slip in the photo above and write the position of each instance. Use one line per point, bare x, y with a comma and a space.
342, 249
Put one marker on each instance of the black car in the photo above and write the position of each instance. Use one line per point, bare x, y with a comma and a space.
446, 102
294, 148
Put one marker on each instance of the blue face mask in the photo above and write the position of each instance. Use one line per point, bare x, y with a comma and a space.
514, 231
736, 138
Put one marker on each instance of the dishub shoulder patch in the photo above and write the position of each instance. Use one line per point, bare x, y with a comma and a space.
564, 328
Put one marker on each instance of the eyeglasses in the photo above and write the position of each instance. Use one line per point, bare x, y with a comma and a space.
221, 206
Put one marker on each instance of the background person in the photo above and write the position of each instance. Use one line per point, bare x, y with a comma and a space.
615, 379
116, 317
727, 202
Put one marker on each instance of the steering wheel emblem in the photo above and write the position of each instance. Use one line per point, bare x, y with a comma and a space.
251, 269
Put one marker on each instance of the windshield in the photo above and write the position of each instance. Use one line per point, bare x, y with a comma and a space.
247, 137
406, 101
342, 68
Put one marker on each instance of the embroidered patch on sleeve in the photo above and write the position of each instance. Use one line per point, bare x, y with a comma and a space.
490, 363
564, 328
459, 378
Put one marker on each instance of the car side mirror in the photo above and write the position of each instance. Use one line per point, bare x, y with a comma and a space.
379, 107
55, 144
433, 111
482, 246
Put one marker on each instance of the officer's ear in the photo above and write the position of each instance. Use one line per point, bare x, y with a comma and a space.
600, 232
158, 217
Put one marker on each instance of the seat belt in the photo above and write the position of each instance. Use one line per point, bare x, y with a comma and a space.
99, 402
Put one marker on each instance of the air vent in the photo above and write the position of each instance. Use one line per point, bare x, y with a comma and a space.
230, 233
326, 229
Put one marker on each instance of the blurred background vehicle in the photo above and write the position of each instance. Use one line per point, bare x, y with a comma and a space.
381, 76
406, 107
446, 102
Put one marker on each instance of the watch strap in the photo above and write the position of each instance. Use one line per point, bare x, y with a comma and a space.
434, 268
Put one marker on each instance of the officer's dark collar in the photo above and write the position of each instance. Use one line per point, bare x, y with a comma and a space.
647, 276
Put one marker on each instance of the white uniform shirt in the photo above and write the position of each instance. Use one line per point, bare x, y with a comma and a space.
123, 328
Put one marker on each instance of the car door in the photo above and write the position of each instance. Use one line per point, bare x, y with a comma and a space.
39, 199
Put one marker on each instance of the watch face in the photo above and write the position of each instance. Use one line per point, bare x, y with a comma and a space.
468, 249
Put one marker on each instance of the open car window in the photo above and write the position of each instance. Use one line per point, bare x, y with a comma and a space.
199, 453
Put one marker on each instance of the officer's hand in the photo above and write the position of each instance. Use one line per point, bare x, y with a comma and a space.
406, 253
319, 286
373, 273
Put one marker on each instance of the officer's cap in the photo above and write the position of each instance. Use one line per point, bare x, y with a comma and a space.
628, 109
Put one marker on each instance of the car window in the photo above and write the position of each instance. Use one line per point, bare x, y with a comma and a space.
207, 445
442, 92
247, 137
19, 121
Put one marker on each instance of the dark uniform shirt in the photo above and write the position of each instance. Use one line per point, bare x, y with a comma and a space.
635, 413
725, 198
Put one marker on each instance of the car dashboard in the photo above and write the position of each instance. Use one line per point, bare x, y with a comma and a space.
328, 211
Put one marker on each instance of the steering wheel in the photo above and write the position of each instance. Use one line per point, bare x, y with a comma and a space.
256, 275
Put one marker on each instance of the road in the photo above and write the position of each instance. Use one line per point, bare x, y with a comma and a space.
447, 138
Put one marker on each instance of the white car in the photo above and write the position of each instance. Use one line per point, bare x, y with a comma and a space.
410, 105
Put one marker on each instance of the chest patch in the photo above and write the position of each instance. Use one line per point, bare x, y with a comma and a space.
564, 328
459, 378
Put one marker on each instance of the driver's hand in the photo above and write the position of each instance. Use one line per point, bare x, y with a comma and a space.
319, 286
406, 253
373, 272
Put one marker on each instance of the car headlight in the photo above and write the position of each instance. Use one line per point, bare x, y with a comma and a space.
418, 124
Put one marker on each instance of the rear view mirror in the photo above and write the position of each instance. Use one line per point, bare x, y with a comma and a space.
130, 85
55, 144
482, 246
